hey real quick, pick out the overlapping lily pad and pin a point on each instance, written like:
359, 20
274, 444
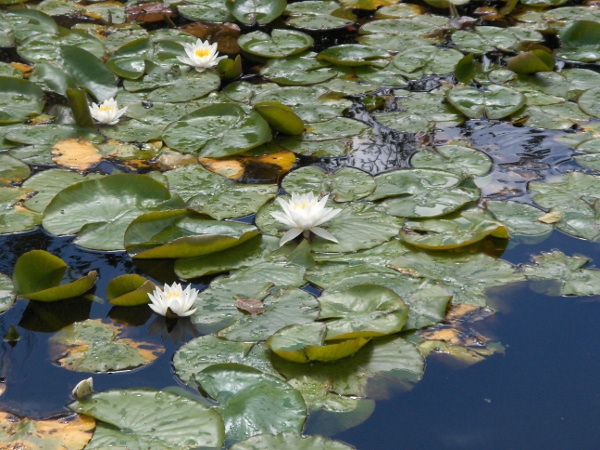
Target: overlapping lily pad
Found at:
142, 418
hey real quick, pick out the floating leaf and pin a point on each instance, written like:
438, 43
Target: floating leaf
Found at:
12, 170
466, 276
452, 231
250, 12
531, 62
520, 218
298, 70
289, 441
461, 160
205, 351
345, 185
390, 358
282, 118
567, 271
355, 55
129, 290
366, 310
37, 275
63, 432
93, 346
217, 130
101, 210
180, 234
78, 154
244, 394
13, 217
142, 418
279, 44
89, 72
19, 100
495, 103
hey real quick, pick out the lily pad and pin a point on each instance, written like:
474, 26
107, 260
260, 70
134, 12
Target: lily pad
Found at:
461, 160
244, 394
567, 271
66, 432
306, 343
12, 170
452, 231
279, 44
282, 118
466, 276
495, 103
181, 234
250, 12
93, 346
289, 441
129, 290
355, 55
390, 358
13, 217
222, 129
519, 218
143, 418
293, 306
37, 275
298, 70
19, 100
206, 351
345, 185
366, 310
100, 211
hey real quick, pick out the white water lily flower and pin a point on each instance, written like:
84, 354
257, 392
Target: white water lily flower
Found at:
304, 213
107, 112
201, 55
173, 300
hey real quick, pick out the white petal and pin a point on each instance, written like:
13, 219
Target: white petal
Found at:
324, 234
284, 219
289, 235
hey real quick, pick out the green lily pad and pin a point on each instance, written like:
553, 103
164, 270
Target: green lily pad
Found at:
129, 290
318, 15
100, 211
389, 75
581, 33
217, 196
312, 104
466, 276
12, 170
345, 185
355, 55
532, 62
452, 231
298, 70
37, 275
217, 130
244, 395
217, 306
43, 134
250, 12
417, 62
591, 154
13, 217
181, 234
567, 271
577, 197
519, 218
252, 251
7, 293
559, 116
19, 100
282, 118
89, 72
383, 364
461, 160
50, 182
588, 102
144, 418
293, 306
93, 346
306, 342
366, 310
206, 351
412, 181
495, 103
279, 44
289, 441
486, 39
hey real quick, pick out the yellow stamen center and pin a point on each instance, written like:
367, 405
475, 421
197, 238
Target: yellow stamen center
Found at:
104, 108
202, 52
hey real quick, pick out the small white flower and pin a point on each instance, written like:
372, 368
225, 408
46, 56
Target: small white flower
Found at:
173, 301
201, 55
304, 212
107, 112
